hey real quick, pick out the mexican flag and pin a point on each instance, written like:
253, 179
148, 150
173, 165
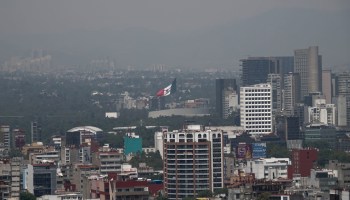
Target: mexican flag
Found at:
167, 90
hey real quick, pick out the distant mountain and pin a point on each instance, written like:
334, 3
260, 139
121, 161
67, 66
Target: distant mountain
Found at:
274, 33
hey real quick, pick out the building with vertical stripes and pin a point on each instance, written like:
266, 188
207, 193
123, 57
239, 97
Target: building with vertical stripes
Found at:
193, 161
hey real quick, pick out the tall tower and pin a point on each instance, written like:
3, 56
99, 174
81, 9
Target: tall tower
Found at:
327, 86
308, 64
224, 87
256, 109
5, 138
36, 131
275, 80
256, 69
291, 93
344, 94
193, 161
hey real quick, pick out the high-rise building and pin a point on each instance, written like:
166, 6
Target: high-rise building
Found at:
308, 63
5, 138
15, 177
275, 81
344, 92
291, 93
36, 132
327, 85
224, 88
256, 109
193, 161
256, 69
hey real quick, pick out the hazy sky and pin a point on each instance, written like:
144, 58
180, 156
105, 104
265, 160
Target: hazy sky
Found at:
168, 17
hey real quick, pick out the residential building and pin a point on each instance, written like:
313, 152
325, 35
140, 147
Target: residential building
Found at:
5, 179
5, 139
15, 176
17, 138
193, 161
108, 161
80, 172
256, 109
308, 63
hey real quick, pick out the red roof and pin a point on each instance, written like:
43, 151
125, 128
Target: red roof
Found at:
129, 184
154, 188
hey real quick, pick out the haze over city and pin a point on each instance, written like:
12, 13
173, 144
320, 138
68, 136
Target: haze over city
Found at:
196, 33
169, 100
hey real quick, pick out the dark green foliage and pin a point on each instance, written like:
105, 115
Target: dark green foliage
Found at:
264, 196
151, 159
221, 191
277, 150
326, 153
15, 153
205, 193
114, 140
26, 196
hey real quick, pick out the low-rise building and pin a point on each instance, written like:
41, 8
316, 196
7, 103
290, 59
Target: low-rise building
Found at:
269, 168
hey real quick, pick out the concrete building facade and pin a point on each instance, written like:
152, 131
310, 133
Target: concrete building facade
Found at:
256, 109
193, 161
308, 63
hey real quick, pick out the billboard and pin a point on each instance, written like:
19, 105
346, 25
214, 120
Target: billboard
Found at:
244, 151
259, 150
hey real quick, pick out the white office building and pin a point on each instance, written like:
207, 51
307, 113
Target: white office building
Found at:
256, 109
269, 168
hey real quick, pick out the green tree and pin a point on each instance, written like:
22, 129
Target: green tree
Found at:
205, 193
221, 191
277, 150
15, 153
264, 196
26, 196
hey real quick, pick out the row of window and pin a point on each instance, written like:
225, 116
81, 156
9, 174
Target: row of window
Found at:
258, 114
257, 118
257, 90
